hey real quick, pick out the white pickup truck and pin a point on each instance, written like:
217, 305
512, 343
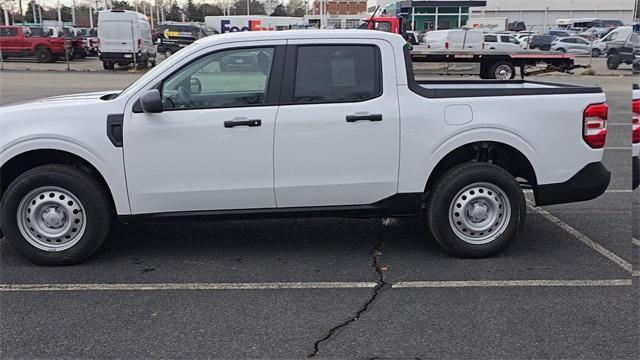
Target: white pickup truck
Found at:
296, 123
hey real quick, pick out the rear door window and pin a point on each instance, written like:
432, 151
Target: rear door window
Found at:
337, 73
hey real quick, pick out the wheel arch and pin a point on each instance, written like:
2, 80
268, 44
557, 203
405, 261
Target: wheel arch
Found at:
512, 156
14, 163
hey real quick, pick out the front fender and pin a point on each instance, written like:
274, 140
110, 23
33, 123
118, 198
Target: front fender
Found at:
111, 167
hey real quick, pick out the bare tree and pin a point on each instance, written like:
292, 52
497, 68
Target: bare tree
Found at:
270, 5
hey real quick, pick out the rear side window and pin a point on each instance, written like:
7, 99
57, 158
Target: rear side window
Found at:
490, 38
337, 73
8, 31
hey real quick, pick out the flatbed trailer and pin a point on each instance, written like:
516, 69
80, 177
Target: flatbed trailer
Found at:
492, 64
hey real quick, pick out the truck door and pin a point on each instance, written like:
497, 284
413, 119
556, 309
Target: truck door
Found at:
337, 130
212, 146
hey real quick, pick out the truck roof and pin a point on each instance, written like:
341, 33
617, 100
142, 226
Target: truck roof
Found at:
396, 40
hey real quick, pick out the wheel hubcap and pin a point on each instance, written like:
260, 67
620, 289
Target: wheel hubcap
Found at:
503, 72
51, 218
479, 213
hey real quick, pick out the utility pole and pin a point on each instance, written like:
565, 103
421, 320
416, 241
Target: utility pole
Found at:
59, 15
33, 9
73, 12
248, 6
91, 16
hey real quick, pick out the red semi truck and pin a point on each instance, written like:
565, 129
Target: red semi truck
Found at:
16, 41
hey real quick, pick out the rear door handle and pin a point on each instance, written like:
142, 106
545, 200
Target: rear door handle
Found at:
250, 123
369, 117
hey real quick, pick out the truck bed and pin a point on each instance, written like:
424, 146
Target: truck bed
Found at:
475, 88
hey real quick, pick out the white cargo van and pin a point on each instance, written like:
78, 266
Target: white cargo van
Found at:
456, 39
124, 37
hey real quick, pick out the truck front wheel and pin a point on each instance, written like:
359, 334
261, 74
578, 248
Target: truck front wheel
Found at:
44, 55
55, 214
502, 70
108, 65
475, 210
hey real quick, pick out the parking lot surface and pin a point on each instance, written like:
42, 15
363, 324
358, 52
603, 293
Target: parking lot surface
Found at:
335, 288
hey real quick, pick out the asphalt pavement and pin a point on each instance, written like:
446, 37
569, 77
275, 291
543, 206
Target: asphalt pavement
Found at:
335, 288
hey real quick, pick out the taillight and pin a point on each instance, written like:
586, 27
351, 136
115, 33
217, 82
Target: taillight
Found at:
635, 120
446, 45
139, 43
594, 130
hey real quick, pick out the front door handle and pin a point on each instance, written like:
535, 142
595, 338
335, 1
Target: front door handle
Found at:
250, 123
369, 117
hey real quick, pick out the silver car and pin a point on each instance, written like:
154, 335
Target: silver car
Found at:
572, 44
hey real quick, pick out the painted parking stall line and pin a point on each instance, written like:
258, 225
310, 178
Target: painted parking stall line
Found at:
308, 285
582, 238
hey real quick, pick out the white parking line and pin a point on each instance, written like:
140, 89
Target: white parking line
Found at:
583, 238
635, 241
510, 283
187, 286
307, 285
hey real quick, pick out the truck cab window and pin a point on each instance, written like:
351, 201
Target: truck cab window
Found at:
337, 73
229, 78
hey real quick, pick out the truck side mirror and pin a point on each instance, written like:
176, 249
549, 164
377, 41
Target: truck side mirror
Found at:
151, 101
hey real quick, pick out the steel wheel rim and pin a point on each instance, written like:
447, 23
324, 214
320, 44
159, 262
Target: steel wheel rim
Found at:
51, 218
479, 213
503, 72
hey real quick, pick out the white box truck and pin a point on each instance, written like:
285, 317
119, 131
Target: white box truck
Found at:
124, 38
225, 24
488, 25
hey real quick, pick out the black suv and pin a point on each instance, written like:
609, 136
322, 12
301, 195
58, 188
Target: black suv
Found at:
622, 51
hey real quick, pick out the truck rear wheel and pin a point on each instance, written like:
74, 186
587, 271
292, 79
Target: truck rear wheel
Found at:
108, 65
44, 55
613, 61
502, 70
55, 214
475, 210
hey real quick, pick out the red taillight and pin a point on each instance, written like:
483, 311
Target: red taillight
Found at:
446, 45
594, 130
635, 120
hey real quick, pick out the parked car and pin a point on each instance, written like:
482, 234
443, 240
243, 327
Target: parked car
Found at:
559, 33
541, 42
573, 45
456, 39
125, 38
339, 128
622, 51
16, 41
501, 42
90, 36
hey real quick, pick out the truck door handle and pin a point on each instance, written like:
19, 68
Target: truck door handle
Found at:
250, 123
371, 117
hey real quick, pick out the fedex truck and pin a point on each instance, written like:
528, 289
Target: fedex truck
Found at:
488, 25
225, 24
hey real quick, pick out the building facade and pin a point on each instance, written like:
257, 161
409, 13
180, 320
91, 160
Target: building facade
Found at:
541, 14
340, 7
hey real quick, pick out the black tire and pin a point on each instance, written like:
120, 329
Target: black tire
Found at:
595, 53
448, 186
90, 193
613, 61
497, 70
536, 47
562, 50
108, 65
44, 55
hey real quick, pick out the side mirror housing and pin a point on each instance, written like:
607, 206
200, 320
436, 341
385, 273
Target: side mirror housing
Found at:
151, 101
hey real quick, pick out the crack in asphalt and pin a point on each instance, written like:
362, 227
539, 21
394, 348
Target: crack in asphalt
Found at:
381, 286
